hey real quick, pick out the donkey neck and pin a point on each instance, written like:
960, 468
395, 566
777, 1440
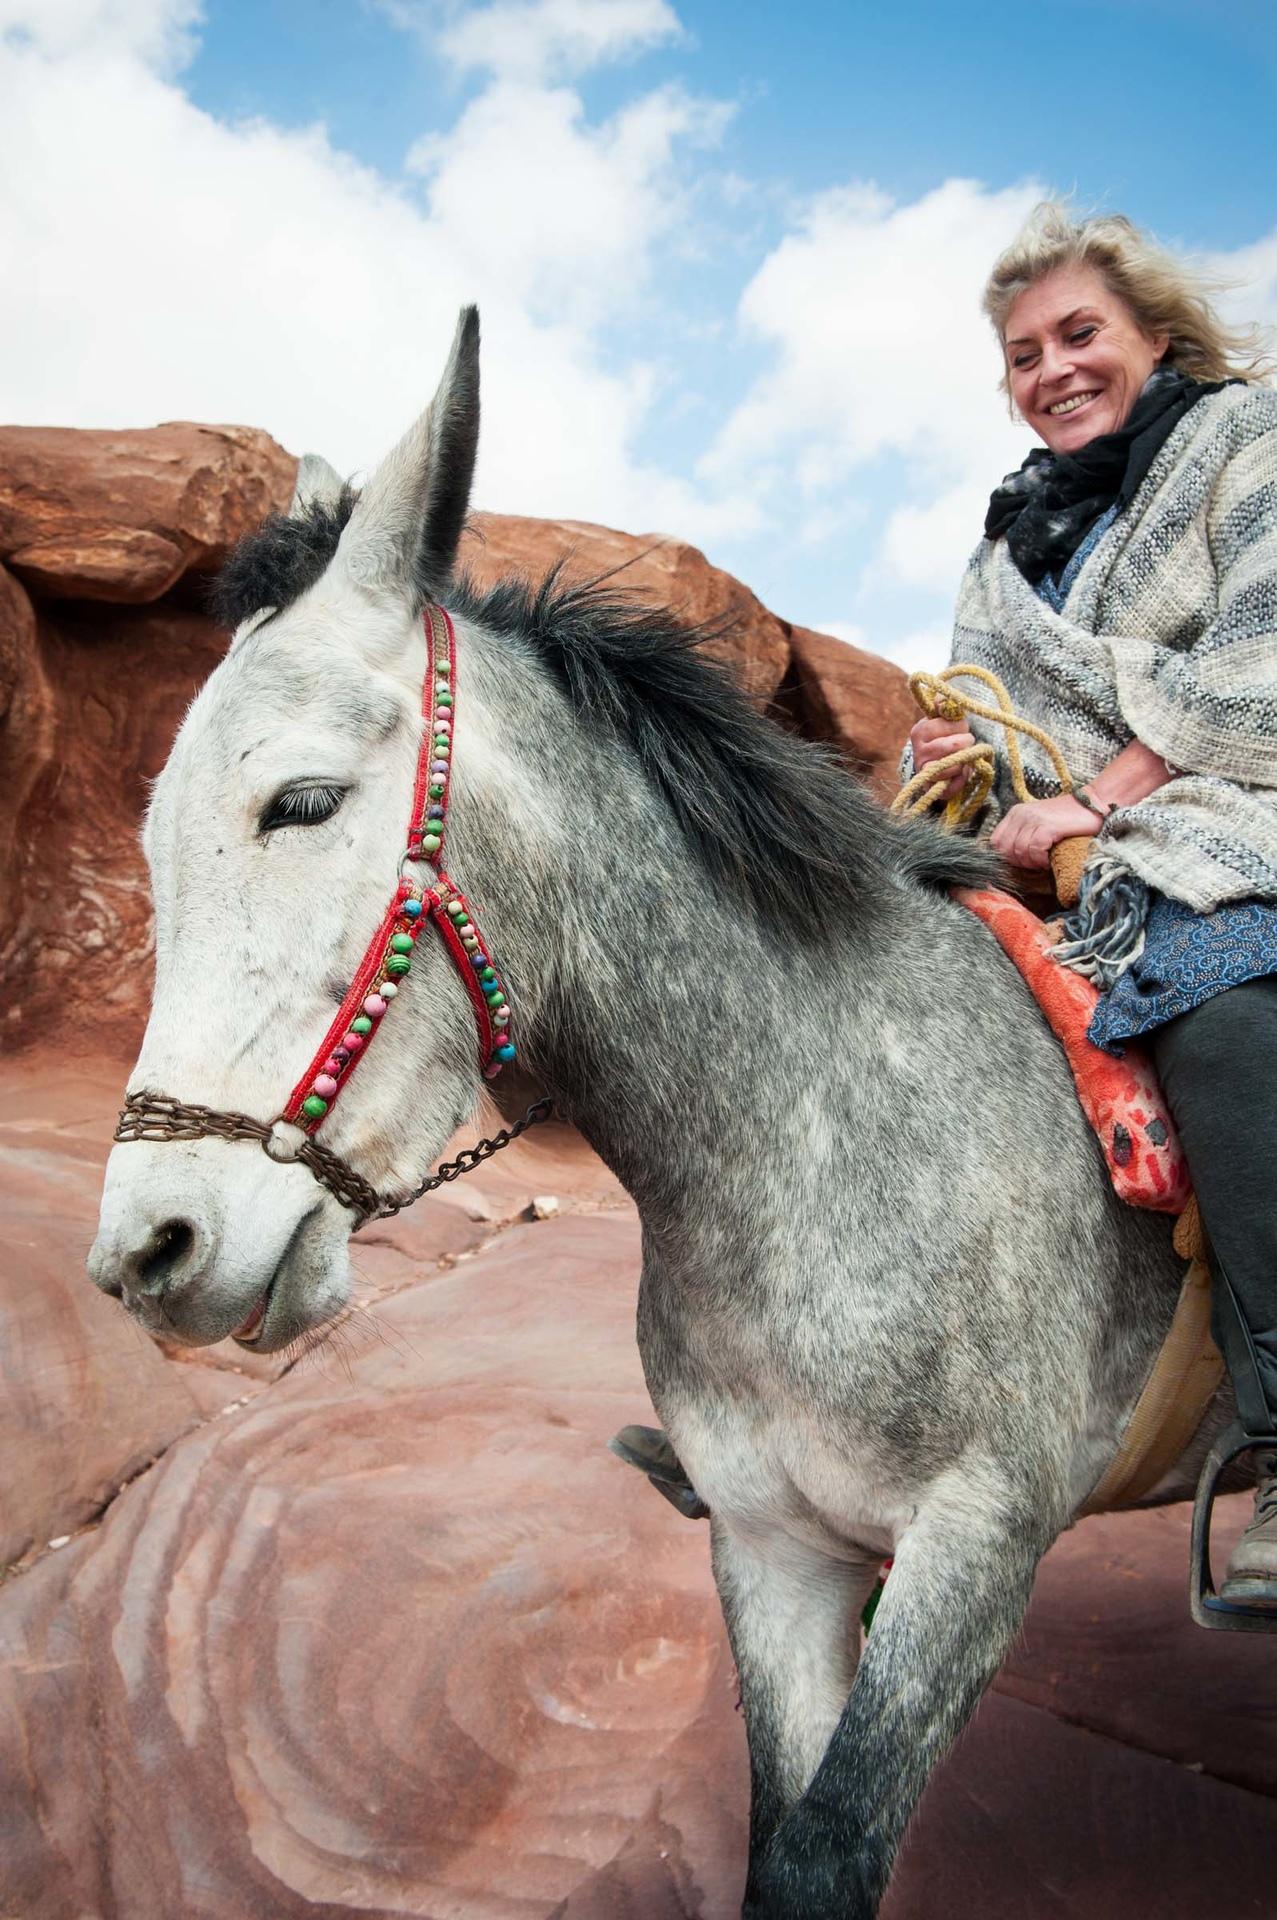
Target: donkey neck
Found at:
661, 1008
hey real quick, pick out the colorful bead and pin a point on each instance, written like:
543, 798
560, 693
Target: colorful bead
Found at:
466, 928
412, 908
455, 910
443, 665
362, 1025
352, 1041
505, 1053
324, 1085
431, 843
470, 942
399, 963
478, 959
489, 976
313, 1107
332, 1064
496, 999
375, 1005
341, 1055
436, 788
401, 943
387, 989
501, 1017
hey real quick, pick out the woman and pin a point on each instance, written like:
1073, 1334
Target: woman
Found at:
1126, 592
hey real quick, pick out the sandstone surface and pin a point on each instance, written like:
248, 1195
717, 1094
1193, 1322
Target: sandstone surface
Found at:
387, 1631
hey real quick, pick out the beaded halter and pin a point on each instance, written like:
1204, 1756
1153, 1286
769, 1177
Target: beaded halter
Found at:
386, 963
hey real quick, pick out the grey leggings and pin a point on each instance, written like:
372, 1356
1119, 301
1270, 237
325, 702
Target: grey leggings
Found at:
1218, 1066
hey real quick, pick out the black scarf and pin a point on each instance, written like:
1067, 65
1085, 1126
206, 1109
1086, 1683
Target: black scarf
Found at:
1047, 508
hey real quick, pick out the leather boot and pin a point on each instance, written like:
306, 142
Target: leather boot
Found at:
1251, 1578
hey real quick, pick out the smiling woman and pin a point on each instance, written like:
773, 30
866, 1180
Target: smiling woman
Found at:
1126, 592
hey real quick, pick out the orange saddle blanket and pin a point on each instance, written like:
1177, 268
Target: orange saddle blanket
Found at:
1121, 1098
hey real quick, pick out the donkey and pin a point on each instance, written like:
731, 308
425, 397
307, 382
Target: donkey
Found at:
873, 1318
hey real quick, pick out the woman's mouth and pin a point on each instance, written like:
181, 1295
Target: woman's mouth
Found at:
1061, 409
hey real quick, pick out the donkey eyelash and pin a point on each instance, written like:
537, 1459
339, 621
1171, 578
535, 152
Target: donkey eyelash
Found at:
301, 807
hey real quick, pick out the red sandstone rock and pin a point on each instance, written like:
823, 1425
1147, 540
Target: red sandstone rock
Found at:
852, 700
661, 570
397, 1634
92, 515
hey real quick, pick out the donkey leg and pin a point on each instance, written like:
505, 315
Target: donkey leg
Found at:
950, 1610
793, 1618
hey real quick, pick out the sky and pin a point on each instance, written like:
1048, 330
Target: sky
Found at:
728, 255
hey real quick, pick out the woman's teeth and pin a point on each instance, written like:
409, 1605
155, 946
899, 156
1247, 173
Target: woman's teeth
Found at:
1071, 405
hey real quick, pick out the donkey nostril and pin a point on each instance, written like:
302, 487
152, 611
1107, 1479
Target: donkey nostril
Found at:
168, 1247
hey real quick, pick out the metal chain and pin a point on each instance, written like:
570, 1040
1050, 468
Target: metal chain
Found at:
154, 1116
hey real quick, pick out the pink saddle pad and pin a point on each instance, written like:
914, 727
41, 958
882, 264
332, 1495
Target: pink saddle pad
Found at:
1121, 1098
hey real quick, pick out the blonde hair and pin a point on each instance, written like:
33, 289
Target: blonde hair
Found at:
1164, 294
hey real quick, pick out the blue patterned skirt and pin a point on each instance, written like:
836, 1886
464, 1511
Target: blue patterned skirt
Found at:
1188, 957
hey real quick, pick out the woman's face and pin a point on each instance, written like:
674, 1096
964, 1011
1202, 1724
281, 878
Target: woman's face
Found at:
1076, 357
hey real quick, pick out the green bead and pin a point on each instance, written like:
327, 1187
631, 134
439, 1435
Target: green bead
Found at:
495, 999
488, 976
431, 843
313, 1107
401, 943
443, 665
436, 789
443, 697
362, 1025
398, 963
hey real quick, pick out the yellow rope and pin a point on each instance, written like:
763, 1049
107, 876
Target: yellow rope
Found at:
937, 696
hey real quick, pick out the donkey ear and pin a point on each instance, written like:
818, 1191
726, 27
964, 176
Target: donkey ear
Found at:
318, 485
404, 531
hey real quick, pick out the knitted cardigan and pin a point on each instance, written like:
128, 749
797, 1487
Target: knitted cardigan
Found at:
1169, 636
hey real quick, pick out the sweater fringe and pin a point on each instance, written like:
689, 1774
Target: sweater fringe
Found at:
1105, 931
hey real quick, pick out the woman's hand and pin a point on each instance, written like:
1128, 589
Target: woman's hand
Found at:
1026, 833
932, 740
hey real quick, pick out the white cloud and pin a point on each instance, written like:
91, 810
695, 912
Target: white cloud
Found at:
872, 309
161, 32
172, 265
532, 38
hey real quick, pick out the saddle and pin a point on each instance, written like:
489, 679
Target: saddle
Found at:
1124, 1104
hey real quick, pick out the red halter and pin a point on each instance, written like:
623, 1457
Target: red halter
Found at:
388, 958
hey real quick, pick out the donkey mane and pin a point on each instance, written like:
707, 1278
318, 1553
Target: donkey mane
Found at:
772, 818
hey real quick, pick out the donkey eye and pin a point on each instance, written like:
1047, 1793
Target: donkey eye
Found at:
303, 806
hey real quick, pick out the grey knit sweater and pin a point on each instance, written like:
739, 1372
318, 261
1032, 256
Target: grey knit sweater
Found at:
1169, 636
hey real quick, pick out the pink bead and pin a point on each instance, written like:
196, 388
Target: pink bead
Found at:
325, 1086
352, 1041
375, 1005
501, 1017
332, 1064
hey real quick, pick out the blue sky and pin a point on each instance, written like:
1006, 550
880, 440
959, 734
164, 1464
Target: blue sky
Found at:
728, 257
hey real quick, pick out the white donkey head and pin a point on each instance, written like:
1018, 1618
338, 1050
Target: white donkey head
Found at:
273, 840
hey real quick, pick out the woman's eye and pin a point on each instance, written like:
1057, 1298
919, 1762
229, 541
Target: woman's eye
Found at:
1082, 334
1022, 360
301, 807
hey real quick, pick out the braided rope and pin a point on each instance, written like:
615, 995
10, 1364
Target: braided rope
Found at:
937, 696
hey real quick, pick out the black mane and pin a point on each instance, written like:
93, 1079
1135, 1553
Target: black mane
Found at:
773, 817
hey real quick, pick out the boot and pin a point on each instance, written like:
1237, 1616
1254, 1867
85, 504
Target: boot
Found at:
1251, 1577
648, 1449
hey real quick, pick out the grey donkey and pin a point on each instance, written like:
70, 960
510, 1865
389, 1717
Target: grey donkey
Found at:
869, 1324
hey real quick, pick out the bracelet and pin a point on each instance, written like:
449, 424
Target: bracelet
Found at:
1102, 808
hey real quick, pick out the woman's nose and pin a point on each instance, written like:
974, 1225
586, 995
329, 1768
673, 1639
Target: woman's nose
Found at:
1057, 363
